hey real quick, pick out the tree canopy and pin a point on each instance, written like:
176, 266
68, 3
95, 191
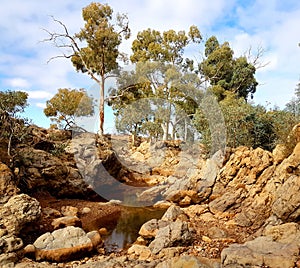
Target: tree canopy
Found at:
159, 75
67, 104
95, 48
13, 102
293, 106
226, 73
11, 126
152, 45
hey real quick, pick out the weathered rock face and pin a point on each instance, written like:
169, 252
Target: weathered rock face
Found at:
175, 233
190, 182
252, 188
42, 170
65, 244
8, 186
279, 247
17, 212
170, 231
189, 262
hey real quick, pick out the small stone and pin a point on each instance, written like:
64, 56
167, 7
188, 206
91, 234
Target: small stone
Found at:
103, 231
162, 204
69, 211
206, 239
85, 210
29, 249
95, 238
143, 252
140, 241
47, 211
66, 221
185, 201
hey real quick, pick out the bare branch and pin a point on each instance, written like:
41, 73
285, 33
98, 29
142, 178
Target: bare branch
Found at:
124, 90
255, 59
59, 56
59, 41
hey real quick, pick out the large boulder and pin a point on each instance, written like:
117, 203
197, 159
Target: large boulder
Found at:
287, 198
260, 251
17, 212
175, 233
189, 262
170, 231
65, 244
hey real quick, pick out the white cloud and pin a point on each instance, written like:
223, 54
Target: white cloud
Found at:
39, 94
17, 82
41, 105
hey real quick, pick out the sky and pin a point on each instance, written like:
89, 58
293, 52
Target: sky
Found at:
272, 25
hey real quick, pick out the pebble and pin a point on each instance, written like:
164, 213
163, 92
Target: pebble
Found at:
103, 231
206, 239
85, 210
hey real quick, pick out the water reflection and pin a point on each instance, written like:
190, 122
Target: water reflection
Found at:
128, 226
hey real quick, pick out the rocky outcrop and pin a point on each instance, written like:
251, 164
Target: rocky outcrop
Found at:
191, 182
171, 230
64, 244
19, 211
279, 247
40, 169
189, 262
8, 184
260, 251
252, 188
250, 198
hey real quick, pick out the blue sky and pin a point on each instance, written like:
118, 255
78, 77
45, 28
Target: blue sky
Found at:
272, 25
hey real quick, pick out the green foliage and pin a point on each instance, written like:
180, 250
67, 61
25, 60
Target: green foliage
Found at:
13, 102
12, 127
227, 73
293, 106
95, 48
102, 39
152, 45
67, 104
59, 148
283, 123
170, 93
161, 75
131, 117
246, 124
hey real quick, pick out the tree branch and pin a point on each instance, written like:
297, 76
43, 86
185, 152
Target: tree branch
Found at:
124, 90
255, 59
58, 40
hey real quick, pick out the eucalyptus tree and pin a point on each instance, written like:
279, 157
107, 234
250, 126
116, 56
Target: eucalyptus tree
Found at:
11, 126
159, 72
293, 106
226, 73
67, 104
95, 48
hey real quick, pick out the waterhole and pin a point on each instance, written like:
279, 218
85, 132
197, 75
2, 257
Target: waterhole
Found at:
128, 225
